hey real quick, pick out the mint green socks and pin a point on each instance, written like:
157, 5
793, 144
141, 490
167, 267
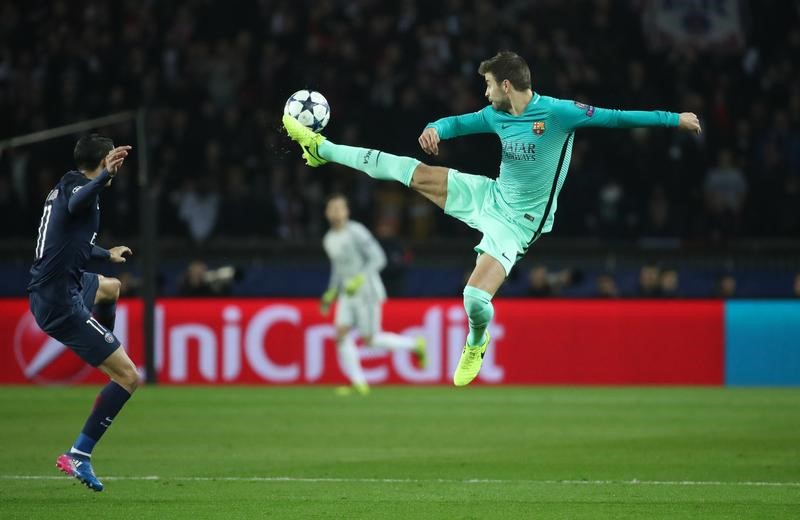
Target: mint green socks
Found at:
375, 163
478, 304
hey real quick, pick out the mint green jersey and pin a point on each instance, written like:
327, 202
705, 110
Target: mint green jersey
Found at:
537, 147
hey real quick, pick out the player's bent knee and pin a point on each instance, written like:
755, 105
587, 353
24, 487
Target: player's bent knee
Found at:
425, 175
119, 367
112, 288
116, 286
341, 332
431, 182
129, 378
108, 291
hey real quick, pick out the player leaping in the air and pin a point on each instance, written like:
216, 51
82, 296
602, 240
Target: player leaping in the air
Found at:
355, 283
536, 133
62, 294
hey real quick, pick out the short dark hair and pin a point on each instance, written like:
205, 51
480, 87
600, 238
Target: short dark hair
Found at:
90, 150
508, 65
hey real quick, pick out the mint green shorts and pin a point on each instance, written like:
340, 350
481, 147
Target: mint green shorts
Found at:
472, 199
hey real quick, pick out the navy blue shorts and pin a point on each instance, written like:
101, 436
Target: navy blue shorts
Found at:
73, 325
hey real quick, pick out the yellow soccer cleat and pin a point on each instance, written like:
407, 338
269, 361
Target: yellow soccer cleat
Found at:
470, 363
421, 351
353, 389
306, 138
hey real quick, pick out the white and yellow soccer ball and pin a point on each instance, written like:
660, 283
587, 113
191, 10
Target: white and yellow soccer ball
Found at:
310, 108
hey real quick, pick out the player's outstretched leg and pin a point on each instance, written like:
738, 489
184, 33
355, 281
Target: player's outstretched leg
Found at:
392, 341
317, 150
308, 140
351, 365
478, 304
77, 462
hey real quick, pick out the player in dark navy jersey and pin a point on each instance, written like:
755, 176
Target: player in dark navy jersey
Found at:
63, 296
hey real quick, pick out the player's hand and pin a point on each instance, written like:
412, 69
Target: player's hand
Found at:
688, 121
429, 141
326, 301
352, 285
117, 254
115, 158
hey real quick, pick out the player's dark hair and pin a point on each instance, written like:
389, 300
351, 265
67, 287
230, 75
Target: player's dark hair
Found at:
508, 65
90, 150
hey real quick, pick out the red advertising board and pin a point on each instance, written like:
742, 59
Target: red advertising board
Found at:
28, 355
267, 341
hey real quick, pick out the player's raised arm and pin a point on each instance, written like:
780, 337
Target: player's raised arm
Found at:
453, 126
573, 115
334, 282
83, 196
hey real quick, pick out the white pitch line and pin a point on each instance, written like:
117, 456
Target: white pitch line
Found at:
633, 482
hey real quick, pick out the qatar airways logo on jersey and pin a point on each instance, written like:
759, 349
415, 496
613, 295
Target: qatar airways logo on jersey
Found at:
195, 352
518, 150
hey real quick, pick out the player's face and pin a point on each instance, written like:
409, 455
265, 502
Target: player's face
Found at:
496, 94
337, 212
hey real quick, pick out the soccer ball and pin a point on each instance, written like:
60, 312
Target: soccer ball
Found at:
310, 108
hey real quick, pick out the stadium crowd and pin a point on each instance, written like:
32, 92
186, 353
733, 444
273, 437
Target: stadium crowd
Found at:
214, 78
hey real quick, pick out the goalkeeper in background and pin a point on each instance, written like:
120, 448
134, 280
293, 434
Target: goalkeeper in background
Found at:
355, 283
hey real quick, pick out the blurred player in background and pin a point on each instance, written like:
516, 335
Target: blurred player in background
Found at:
61, 293
355, 283
512, 212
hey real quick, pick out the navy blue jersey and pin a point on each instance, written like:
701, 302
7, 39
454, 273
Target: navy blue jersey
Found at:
67, 232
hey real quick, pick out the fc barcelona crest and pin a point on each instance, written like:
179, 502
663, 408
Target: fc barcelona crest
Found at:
538, 127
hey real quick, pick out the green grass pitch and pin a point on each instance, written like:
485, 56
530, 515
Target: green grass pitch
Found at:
410, 452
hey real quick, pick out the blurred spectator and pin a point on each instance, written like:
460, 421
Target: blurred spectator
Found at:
649, 281
197, 208
199, 280
607, 286
660, 220
129, 285
796, 288
398, 258
243, 213
725, 186
566, 278
9, 207
539, 282
543, 283
669, 283
726, 286
725, 191
214, 82
193, 282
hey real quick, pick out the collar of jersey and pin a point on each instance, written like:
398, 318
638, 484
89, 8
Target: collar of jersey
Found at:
533, 101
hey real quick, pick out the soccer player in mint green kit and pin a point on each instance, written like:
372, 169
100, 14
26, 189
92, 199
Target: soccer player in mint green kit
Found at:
536, 133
